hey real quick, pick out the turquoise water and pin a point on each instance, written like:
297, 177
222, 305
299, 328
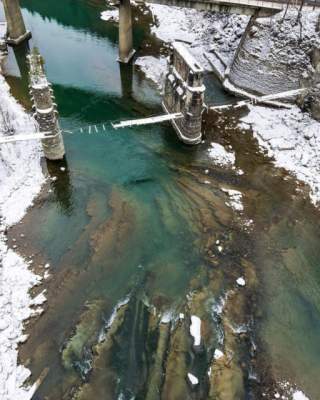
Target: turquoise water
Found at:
131, 220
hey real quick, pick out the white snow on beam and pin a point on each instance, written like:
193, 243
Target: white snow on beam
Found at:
147, 121
19, 138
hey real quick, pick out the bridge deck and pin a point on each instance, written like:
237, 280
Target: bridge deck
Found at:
247, 7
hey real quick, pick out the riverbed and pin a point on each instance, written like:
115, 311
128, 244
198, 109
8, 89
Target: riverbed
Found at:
140, 236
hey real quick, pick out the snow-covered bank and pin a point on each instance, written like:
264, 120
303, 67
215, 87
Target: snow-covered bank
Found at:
220, 155
21, 178
292, 138
201, 31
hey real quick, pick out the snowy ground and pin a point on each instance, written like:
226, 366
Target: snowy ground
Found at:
20, 181
292, 138
201, 31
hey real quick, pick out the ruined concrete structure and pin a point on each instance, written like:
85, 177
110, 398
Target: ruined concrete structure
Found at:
16, 27
184, 92
45, 109
126, 50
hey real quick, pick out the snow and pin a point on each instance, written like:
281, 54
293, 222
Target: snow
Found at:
199, 30
241, 282
273, 47
167, 317
110, 15
235, 201
20, 181
195, 330
220, 155
292, 138
193, 379
218, 354
154, 68
298, 395
20, 174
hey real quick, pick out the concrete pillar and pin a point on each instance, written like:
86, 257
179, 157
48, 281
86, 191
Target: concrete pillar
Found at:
45, 109
126, 50
126, 75
184, 93
16, 27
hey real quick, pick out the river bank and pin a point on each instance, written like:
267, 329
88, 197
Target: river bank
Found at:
21, 179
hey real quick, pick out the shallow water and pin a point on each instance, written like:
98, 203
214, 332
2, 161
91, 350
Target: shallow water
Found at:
131, 221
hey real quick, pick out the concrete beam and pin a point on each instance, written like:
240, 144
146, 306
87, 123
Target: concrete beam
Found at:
126, 50
16, 28
261, 8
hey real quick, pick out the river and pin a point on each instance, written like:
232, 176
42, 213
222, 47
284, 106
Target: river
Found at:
138, 243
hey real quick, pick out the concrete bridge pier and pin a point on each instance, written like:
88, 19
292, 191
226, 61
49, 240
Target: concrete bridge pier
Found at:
126, 50
184, 93
16, 27
46, 113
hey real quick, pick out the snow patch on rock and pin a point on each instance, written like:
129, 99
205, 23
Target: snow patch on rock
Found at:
220, 155
154, 68
235, 201
111, 15
298, 395
195, 330
193, 379
218, 354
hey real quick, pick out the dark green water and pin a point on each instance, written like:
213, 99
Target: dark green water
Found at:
131, 216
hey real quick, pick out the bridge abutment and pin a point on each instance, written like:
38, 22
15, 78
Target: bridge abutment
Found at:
126, 50
184, 93
46, 113
16, 26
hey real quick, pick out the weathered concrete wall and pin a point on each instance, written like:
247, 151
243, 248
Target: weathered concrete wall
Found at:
125, 32
274, 54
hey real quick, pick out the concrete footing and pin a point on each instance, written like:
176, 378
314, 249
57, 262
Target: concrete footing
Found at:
19, 40
17, 32
126, 51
